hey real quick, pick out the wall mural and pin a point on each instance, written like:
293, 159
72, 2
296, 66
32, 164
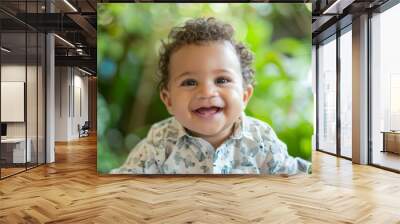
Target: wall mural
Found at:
204, 88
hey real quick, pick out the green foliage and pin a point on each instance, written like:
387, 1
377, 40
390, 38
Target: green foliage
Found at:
128, 42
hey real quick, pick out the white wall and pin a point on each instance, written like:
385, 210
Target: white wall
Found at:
61, 103
13, 100
12, 73
33, 126
71, 94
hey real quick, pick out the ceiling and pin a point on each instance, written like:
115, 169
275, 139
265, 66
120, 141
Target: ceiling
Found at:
74, 22
332, 15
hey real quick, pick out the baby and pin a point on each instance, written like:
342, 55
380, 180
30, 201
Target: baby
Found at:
206, 83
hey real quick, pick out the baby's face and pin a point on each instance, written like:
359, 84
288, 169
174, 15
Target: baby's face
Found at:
205, 91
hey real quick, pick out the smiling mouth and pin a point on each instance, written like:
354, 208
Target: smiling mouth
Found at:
208, 112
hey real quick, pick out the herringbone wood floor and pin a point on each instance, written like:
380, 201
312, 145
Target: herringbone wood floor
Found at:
70, 191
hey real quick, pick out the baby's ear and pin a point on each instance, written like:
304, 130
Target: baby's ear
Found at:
166, 98
247, 93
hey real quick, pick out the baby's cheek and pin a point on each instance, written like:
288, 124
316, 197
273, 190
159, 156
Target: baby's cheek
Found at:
237, 95
235, 102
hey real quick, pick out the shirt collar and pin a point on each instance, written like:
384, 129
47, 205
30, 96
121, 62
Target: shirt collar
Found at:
181, 130
239, 128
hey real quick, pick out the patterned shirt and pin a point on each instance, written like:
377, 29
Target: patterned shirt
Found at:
253, 148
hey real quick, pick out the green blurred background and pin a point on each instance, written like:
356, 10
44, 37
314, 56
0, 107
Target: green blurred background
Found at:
127, 49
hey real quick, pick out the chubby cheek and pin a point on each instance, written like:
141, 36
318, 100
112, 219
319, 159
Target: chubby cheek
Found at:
234, 101
180, 103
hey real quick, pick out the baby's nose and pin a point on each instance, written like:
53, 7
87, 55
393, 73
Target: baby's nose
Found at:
207, 91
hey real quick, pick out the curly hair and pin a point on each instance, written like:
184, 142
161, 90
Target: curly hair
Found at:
198, 31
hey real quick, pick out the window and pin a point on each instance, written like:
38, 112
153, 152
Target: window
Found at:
385, 89
346, 93
327, 96
22, 66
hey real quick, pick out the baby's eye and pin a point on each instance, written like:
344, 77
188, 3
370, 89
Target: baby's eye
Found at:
189, 82
222, 80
